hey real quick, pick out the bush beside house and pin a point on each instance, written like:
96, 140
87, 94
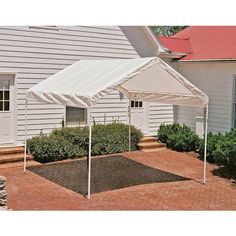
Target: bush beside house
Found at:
178, 137
221, 148
71, 142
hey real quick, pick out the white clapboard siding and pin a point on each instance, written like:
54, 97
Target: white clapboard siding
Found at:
158, 114
216, 80
186, 115
64, 34
74, 42
112, 107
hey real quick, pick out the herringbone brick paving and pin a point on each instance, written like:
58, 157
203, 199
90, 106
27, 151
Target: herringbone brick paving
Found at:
32, 192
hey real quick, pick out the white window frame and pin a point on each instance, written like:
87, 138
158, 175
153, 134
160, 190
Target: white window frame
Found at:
13, 106
134, 104
3, 100
76, 125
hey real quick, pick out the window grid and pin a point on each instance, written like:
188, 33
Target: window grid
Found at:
136, 104
4, 95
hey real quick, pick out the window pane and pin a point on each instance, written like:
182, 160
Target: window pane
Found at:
140, 104
136, 103
6, 84
6, 95
1, 105
75, 116
6, 106
1, 95
132, 103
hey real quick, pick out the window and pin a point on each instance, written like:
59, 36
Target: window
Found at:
136, 104
76, 116
4, 95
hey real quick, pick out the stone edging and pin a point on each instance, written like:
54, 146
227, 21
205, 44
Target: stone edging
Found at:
3, 193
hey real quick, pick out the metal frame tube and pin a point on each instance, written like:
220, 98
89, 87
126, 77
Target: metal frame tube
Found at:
205, 145
26, 129
129, 117
89, 154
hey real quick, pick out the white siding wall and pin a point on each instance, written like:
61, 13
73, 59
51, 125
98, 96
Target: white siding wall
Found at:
36, 53
112, 107
158, 114
216, 80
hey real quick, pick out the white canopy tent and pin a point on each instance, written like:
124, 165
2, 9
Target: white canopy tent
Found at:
147, 79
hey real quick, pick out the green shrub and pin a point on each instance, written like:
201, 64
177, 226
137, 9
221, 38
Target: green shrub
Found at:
225, 153
113, 138
178, 137
183, 142
50, 148
73, 142
212, 140
165, 130
76, 135
221, 149
231, 134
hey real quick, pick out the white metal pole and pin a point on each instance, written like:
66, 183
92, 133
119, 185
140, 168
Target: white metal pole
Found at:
205, 145
89, 154
129, 114
26, 124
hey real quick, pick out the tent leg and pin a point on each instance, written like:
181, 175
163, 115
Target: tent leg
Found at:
26, 128
205, 145
89, 156
129, 114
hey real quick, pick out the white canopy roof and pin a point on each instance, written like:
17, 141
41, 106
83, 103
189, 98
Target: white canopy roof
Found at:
147, 79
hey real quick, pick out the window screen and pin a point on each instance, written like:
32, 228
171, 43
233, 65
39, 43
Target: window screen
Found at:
76, 116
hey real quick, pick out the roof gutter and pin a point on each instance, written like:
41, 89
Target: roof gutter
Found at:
156, 41
175, 55
208, 60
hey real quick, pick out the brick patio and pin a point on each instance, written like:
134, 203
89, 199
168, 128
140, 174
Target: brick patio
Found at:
32, 192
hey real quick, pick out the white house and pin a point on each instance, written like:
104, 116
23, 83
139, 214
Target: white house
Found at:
206, 56
30, 54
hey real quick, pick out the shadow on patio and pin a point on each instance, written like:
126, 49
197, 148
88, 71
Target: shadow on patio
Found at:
108, 173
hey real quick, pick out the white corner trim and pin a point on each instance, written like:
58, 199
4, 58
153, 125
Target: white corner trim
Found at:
161, 48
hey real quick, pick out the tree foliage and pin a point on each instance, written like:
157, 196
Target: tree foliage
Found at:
167, 30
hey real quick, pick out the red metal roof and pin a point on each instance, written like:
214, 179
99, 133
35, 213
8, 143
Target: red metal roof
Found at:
176, 44
204, 42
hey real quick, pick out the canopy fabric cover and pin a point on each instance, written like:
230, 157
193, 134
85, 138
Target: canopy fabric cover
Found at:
148, 79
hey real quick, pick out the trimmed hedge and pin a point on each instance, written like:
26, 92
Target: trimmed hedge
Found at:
166, 130
212, 140
73, 142
51, 148
178, 137
106, 139
221, 148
